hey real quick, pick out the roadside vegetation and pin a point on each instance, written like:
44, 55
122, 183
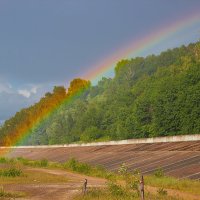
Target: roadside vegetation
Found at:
10, 195
124, 188
15, 171
71, 165
185, 185
120, 185
107, 194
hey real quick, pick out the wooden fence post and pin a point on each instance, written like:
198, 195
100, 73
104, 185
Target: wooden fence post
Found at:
141, 187
85, 187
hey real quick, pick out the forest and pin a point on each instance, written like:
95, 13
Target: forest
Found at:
151, 96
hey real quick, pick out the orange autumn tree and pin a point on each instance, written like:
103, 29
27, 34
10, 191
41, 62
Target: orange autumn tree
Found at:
17, 126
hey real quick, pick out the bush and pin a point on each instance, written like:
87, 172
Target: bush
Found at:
43, 163
98, 171
38, 163
23, 160
74, 165
159, 173
12, 172
123, 170
3, 160
116, 189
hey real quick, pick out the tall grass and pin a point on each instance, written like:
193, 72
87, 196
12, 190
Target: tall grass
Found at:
8, 195
3, 160
107, 194
186, 185
83, 168
36, 163
12, 172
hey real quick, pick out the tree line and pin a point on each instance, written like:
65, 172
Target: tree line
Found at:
157, 95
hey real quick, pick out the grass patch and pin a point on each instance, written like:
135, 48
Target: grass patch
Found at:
36, 163
106, 194
16, 171
72, 165
83, 168
159, 173
162, 191
3, 160
34, 177
186, 185
12, 172
13, 195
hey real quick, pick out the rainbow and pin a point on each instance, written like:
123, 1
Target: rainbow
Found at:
135, 48
132, 49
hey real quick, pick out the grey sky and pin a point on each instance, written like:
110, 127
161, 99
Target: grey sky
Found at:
49, 42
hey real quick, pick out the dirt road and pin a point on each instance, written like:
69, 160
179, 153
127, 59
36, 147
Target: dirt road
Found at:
63, 191
72, 187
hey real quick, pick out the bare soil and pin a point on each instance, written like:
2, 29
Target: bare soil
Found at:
54, 191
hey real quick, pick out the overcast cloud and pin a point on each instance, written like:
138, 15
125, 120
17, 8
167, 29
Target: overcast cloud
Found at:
47, 42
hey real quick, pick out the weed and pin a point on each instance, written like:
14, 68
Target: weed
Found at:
44, 163
12, 172
115, 189
159, 173
3, 160
83, 168
4, 194
123, 170
162, 191
23, 160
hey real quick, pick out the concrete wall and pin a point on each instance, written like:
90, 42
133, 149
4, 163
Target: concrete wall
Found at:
180, 138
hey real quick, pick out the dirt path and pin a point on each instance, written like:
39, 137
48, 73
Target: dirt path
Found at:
41, 191
66, 191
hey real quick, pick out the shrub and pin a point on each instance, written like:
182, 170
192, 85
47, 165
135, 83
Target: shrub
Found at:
38, 163
116, 189
87, 169
23, 160
74, 165
3, 160
43, 163
12, 172
123, 170
159, 173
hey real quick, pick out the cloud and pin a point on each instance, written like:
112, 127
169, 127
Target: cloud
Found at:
34, 90
14, 99
24, 93
28, 92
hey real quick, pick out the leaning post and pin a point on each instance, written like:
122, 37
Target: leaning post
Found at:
141, 187
85, 187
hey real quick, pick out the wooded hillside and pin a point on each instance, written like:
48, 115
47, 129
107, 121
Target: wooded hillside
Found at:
152, 96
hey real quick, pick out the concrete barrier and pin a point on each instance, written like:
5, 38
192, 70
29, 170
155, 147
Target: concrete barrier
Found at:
180, 138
